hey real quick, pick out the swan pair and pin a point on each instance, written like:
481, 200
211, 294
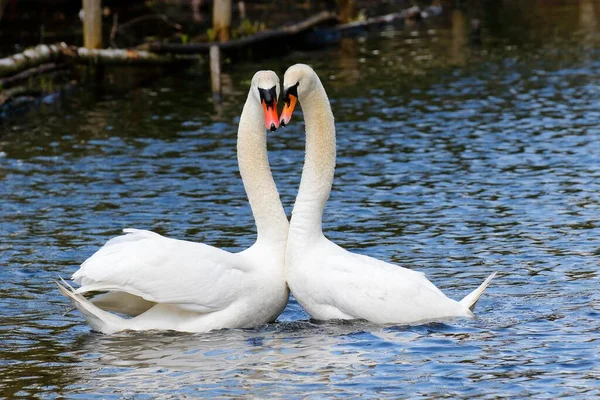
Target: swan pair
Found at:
171, 284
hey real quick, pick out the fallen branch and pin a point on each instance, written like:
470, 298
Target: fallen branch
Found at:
410, 13
30, 58
119, 56
269, 35
333, 34
61, 52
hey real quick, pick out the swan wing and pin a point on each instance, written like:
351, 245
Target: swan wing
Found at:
381, 292
194, 276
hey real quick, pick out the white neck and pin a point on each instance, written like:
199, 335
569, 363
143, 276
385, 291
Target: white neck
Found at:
269, 216
319, 164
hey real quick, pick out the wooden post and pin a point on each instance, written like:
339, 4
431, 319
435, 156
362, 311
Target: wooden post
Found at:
215, 72
242, 9
92, 24
346, 11
222, 19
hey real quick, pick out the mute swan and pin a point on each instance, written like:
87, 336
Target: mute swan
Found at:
328, 281
171, 284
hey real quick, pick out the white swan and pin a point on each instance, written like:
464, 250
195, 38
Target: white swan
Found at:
328, 281
171, 284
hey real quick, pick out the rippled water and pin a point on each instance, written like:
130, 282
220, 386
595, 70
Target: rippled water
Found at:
455, 159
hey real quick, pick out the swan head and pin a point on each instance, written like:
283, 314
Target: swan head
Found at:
265, 89
298, 79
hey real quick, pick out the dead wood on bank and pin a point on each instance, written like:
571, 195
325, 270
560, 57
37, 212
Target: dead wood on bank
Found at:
160, 53
263, 37
62, 53
316, 31
412, 13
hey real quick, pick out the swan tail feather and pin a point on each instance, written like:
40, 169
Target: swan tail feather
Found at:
471, 299
98, 319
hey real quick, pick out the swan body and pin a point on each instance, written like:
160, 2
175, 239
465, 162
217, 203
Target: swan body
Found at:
170, 284
327, 280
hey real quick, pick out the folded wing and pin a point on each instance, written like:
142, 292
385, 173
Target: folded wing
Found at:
383, 292
193, 276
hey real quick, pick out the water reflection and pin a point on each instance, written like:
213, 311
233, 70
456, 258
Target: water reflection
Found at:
459, 38
348, 62
587, 16
327, 358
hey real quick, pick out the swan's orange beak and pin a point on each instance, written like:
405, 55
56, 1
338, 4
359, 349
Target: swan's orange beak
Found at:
271, 118
290, 97
288, 110
268, 99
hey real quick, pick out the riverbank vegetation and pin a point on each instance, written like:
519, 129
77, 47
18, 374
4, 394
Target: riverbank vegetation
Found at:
148, 38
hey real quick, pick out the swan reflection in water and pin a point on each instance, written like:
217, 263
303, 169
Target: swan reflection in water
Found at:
285, 354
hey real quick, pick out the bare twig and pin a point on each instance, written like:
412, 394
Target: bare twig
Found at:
141, 18
114, 30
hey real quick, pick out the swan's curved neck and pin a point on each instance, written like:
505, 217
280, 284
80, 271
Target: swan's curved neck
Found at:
269, 216
319, 164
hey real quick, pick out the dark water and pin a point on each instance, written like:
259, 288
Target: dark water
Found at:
455, 159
